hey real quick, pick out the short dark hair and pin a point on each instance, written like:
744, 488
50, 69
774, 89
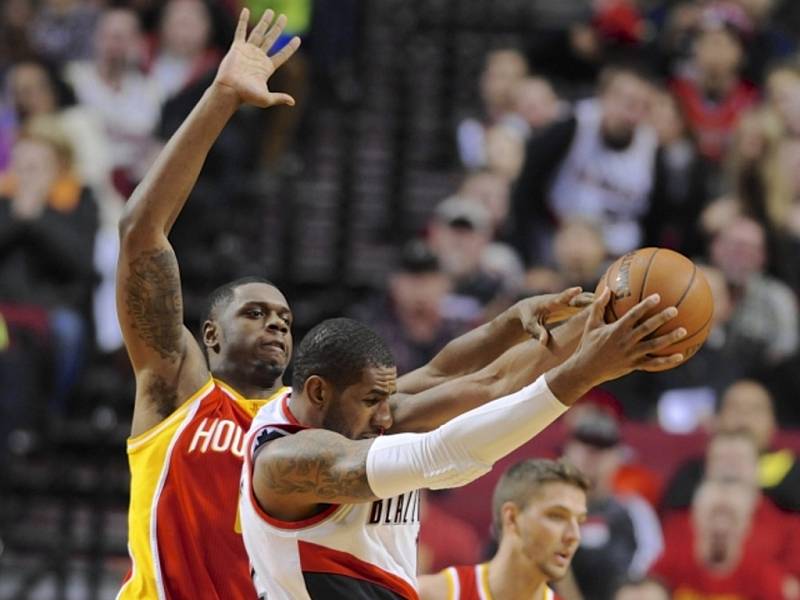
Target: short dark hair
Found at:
523, 480
631, 67
224, 293
338, 350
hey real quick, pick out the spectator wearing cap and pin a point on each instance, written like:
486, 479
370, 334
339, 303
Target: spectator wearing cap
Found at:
410, 314
621, 536
460, 235
711, 91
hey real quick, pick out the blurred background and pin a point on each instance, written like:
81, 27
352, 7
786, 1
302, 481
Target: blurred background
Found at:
445, 159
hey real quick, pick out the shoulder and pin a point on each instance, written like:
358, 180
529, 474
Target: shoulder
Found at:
440, 586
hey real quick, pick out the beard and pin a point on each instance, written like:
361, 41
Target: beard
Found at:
267, 373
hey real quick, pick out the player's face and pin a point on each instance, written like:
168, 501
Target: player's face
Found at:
256, 332
362, 410
549, 527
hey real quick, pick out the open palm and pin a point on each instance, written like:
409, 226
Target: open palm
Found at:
246, 68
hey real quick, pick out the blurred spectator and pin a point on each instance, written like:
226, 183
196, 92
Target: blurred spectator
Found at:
680, 189
535, 104
36, 90
492, 190
410, 316
764, 325
460, 236
579, 253
597, 164
502, 71
115, 88
711, 92
770, 39
621, 536
746, 407
15, 17
642, 589
183, 52
504, 146
713, 559
48, 222
62, 30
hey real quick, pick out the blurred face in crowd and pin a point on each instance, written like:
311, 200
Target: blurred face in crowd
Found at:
625, 101
598, 464
35, 160
503, 70
492, 191
789, 161
579, 252
118, 38
459, 247
717, 54
185, 27
721, 515
666, 119
732, 458
646, 590
417, 299
546, 531
505, 151
747, 406
31, 90
739, 250
783, 93
535, 101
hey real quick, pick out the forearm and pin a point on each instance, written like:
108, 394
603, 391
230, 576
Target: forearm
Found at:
464, 448
513, 370
159, 198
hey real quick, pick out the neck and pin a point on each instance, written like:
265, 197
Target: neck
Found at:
513, 577
301, 410
111, 72
246, 388
719, 85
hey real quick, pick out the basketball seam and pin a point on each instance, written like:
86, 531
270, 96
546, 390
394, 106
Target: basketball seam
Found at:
611, 300
646, 273
699, 329
688, 287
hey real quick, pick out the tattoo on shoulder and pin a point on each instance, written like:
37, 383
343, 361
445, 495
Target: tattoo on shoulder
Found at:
152, 299
327, 467
163, 394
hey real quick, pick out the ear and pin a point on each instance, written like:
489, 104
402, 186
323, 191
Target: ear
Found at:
211, 335
318, 392
509, 515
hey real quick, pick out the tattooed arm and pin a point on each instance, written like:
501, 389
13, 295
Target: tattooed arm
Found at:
293, 475
168, 363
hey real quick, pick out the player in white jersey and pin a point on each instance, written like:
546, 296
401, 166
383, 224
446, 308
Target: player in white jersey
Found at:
322, 488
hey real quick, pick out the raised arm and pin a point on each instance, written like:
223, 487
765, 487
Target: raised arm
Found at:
168, 362
479, 347
294, 475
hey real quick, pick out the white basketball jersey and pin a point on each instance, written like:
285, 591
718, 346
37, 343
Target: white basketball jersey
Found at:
347, 551
605, 185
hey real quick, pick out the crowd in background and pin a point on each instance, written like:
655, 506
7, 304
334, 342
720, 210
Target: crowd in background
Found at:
618, 124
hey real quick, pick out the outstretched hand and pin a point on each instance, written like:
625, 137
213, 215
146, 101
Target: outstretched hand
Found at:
536, 312
245, 70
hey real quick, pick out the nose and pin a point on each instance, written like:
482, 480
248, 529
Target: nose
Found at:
275, 323
383, 415
573, 532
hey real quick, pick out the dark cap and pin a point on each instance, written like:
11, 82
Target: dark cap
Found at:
596, 428
417, 257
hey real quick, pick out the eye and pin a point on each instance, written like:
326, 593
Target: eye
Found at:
371, 402
255, 313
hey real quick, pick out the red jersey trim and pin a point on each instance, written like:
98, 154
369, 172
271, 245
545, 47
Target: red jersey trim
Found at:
288, 412
321, 559
278, 523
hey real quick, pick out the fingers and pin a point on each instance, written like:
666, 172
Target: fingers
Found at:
637, 313
274, 33
653, 323
286, 52
567, 295
241, 26
257, 35
598, 309
582, 300
661, 342
278, 98
661, 363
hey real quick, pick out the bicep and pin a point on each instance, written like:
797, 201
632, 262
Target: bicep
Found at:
419, 380
166, 358
294, 474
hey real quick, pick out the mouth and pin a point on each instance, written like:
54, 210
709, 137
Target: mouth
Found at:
563, 558
273, 344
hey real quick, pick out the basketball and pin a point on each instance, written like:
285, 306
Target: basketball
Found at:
636, 275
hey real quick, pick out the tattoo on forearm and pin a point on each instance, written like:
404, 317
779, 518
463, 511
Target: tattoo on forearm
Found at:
163, 394
152, 298
319, 470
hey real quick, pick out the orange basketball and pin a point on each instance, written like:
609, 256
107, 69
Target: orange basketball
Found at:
636, 275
